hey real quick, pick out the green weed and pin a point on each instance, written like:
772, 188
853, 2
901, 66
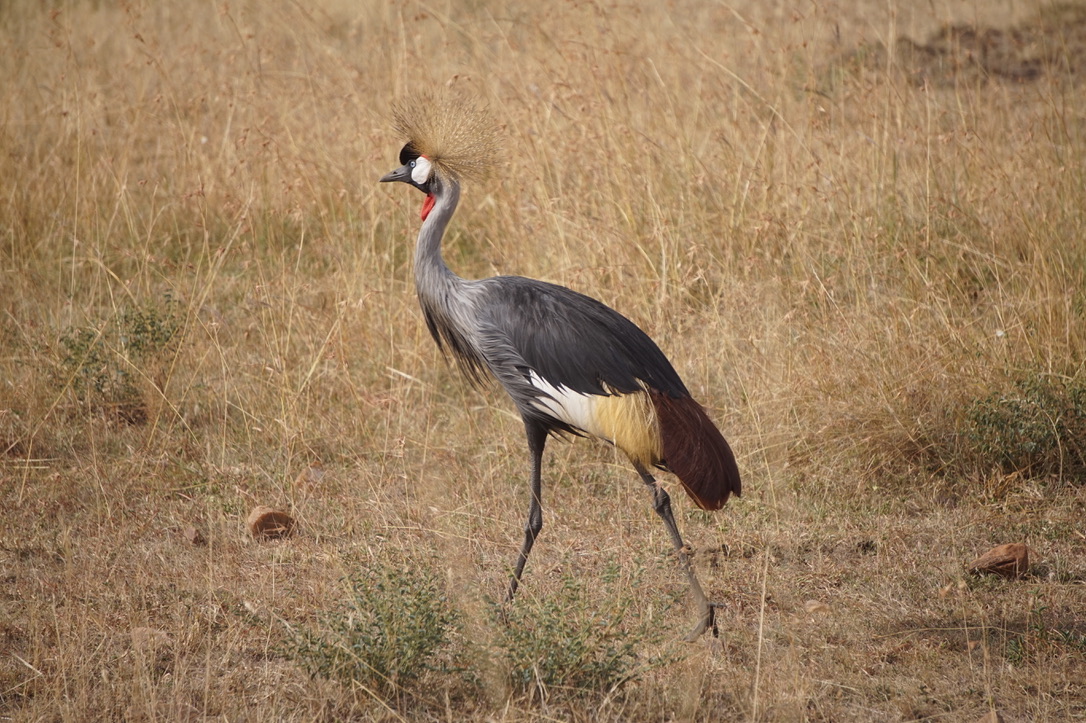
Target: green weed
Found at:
1038, 429
565, 640
396, 625
106, 366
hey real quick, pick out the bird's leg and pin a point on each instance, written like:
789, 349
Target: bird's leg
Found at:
537, 440
661, 502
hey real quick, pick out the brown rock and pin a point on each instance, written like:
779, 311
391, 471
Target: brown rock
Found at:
264, 523
1010, 561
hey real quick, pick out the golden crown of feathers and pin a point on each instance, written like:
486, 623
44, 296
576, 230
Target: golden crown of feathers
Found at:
456, 134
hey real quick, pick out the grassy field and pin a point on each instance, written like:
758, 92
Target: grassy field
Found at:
856, 228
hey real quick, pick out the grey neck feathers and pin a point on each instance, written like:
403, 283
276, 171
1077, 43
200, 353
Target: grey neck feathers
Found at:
446, 299
430, 268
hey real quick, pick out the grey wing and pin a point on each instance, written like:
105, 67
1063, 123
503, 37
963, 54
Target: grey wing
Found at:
569, 339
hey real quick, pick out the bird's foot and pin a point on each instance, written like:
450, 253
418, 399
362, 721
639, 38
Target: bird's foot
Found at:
706, 623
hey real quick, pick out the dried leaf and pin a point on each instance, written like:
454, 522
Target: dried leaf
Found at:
1010, 561
266, 523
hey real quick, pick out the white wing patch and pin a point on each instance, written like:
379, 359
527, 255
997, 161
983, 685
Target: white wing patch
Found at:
627, 420
573, 408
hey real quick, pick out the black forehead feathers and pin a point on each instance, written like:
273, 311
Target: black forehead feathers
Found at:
408, 154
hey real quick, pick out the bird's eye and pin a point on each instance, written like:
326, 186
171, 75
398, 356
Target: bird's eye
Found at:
412, 164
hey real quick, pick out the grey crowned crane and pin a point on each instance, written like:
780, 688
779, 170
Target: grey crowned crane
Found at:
570, 363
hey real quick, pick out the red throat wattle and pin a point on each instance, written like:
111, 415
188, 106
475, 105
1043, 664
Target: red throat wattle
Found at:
427, 206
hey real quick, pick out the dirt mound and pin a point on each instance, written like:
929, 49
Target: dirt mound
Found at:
1050, 44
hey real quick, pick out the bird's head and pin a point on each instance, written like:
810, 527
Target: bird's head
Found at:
418, 171
448, 139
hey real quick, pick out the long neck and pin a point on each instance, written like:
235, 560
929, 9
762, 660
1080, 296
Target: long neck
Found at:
430, 268
445, 298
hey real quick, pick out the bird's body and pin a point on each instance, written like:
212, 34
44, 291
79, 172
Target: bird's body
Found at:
569, 363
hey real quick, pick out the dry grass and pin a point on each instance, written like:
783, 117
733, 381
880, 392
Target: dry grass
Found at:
842, 240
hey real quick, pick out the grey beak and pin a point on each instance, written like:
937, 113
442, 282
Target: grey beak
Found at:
403, 173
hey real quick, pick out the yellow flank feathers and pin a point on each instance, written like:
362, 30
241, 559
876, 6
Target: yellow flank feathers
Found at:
457, 135
629, 420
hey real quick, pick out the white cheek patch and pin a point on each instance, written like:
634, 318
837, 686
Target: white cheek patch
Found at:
420, 174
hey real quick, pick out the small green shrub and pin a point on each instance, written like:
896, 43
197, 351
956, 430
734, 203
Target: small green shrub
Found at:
104, 366
397, 624
1038, 429
566, 639
1015, 650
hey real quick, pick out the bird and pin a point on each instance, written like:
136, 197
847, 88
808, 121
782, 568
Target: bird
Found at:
571, 364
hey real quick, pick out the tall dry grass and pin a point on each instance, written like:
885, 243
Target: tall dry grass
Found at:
839, 257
